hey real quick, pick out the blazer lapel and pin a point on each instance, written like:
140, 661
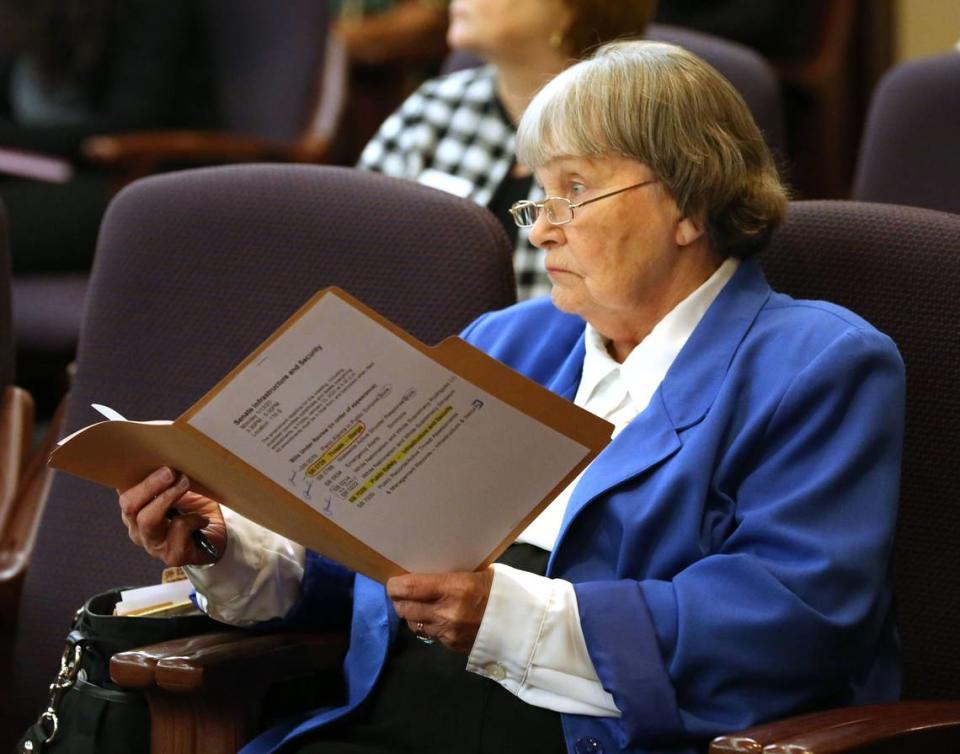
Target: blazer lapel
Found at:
683, 398
647, 440
566, 380
694, 379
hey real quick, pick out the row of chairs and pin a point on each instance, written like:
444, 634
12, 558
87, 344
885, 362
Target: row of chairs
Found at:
282, 83
906, 156
253, 48
194, 269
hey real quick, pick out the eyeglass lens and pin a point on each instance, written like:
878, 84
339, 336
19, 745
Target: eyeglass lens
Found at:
525, 214
558, 212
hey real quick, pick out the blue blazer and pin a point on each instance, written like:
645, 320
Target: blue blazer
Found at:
730, 549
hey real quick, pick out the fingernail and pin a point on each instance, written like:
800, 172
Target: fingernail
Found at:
183, 482
165, 475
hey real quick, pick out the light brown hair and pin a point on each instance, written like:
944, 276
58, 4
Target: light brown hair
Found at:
666, 108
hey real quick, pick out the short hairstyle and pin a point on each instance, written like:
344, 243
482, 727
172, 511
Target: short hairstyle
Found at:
596, 22
665, 107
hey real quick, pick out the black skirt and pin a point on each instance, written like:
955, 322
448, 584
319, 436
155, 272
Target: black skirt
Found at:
426, 702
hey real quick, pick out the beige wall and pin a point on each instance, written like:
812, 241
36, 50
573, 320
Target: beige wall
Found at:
926, 27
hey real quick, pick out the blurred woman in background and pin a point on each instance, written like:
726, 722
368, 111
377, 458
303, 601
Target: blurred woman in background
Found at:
457, 132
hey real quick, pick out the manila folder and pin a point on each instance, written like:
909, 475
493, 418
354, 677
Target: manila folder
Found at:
351, 437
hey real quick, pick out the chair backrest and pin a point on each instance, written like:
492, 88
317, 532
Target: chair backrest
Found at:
267, 59
193, 270
747, 70
899, 268
910, 152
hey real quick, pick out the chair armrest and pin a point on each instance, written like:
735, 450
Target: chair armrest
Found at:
136, 154
920, 726
224, 659
205, 693
16, 436
19, 530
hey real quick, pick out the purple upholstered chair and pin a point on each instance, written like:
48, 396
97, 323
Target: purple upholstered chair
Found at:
910, 153
268, 64
898, 267
263, 91
747, 70
193, 270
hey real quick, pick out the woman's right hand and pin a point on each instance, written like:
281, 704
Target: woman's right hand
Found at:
144, 509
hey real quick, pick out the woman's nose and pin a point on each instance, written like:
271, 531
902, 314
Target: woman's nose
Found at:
544, 233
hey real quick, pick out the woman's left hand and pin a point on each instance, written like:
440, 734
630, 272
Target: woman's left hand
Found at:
447, 607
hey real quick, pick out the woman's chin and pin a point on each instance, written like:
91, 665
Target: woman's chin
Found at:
459, 38
563, 299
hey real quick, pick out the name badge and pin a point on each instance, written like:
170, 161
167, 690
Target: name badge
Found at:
445, 182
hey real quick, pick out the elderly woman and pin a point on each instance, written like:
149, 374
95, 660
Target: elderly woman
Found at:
724, 561
457, 133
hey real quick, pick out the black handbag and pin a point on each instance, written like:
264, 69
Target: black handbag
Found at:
87, 713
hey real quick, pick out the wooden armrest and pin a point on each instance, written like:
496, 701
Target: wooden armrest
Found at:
16, 436
19, 530
205, 693
849, 729
134, 155
219, 660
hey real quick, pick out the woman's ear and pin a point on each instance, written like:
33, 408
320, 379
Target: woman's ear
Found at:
689, 229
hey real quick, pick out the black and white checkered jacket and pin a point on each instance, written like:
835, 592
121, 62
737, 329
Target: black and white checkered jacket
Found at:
452, 134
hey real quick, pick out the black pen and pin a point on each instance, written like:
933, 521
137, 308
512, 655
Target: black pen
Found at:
199, 538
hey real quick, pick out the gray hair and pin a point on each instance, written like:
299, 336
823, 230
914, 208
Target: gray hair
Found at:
666, 108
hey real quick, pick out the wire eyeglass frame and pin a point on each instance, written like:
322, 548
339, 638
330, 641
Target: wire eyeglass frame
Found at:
522, 211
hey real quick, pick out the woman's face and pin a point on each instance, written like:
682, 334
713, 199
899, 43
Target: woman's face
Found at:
493, 28
624, 261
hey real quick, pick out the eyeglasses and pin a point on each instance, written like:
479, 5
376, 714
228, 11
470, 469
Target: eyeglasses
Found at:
559, 210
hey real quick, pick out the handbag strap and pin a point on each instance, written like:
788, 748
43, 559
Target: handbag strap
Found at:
49, 722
